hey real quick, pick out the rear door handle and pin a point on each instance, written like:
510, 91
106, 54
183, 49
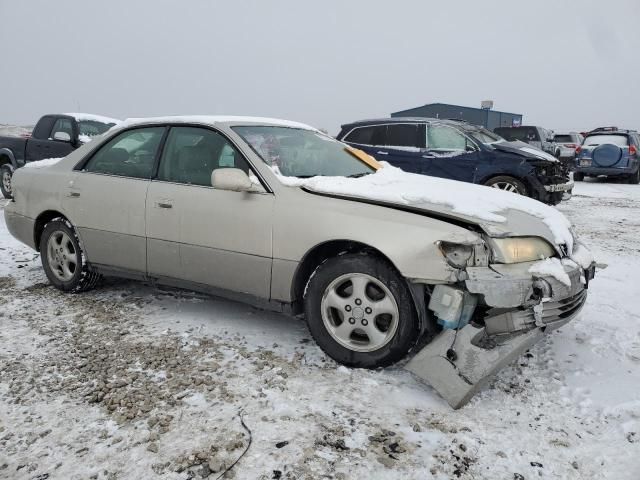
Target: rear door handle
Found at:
164, 205
382, 153
73, 194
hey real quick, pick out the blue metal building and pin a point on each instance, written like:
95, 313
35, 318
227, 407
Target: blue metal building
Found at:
490, 119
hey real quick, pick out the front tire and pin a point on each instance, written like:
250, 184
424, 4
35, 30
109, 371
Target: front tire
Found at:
360, 312
507, 183
578, 177
63, 260
6, 173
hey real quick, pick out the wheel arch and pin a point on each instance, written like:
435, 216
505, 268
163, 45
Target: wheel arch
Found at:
520, 178
42, 219
7, 157
333, 248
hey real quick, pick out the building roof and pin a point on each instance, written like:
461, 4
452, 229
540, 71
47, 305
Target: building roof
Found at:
455, 106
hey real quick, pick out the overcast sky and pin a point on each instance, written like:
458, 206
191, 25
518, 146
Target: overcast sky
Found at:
563, 64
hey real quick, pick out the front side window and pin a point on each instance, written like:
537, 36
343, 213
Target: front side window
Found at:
445, 139
62, 125
130, 154
296, 152
191, 154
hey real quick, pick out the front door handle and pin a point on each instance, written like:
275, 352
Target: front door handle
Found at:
382, 153
74, 194
163, 205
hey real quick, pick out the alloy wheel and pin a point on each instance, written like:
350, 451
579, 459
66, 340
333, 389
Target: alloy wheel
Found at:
61, 255
6, 180
359, 312
507, 186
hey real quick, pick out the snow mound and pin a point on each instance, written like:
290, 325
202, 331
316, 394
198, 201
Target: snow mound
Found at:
47, 162
89, 117
391, 184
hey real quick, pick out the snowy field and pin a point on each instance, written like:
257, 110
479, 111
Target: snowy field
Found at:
135, 382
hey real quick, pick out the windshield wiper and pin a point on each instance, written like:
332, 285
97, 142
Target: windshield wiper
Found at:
358, 175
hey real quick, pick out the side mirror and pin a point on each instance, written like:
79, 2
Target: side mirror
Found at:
62, 137
232, 179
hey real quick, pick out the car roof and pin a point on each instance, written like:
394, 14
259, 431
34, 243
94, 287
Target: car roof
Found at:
213, 120
377, 121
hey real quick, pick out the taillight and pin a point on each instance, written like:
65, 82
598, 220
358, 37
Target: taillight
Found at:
632, 150
578, 149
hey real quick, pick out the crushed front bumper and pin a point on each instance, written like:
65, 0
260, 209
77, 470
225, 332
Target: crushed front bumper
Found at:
522, 308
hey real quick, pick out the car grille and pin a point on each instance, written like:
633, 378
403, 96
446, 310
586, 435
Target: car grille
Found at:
565, 308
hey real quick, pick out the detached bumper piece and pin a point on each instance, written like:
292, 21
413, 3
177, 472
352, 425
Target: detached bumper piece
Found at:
523, 308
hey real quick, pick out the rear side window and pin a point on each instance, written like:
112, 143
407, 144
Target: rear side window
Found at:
373, 135
191, 154
405, 135
593, 140
130, 154
563, 139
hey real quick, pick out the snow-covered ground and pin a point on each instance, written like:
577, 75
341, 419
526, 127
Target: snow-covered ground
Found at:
131, 381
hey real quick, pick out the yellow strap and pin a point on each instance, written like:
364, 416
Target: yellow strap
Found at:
364, 157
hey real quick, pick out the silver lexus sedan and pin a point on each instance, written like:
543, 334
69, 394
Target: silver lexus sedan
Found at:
282, 216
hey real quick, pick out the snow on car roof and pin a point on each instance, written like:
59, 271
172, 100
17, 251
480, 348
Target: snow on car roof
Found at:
93, 118
214, 119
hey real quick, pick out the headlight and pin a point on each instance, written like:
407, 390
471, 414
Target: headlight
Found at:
521, 249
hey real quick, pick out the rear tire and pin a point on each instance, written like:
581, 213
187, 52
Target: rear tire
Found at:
508, 184
578, 177
63, 260
6, 173
634, 179
360, 312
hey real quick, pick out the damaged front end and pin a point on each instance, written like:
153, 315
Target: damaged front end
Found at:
492, 315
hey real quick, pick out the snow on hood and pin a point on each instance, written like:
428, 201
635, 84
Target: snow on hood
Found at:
47, 162
497, 211
212, 120
89, 117
523, 148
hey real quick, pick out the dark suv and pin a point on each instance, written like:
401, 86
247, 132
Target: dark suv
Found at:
611, 152
460, 151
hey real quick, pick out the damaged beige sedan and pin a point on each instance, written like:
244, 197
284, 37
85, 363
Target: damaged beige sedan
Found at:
279, 215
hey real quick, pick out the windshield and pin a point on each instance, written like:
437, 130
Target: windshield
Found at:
483, 135
295, 152
524, 134
619, 140
91, 128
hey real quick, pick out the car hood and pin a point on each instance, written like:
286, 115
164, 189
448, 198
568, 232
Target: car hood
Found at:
496, 212
524, 150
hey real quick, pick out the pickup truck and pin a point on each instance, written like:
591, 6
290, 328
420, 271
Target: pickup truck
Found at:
53, 136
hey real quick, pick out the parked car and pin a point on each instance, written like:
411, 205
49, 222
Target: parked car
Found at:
460, 151
567, 143
284, 217
609, 151
538, 137
53, 136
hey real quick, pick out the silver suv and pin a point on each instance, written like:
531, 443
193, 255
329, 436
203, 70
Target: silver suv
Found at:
538, 137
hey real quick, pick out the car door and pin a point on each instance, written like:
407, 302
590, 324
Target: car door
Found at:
450, 153
106, 198
199, 234
404, 145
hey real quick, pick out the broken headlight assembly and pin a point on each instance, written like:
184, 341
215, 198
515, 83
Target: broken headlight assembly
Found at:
459, 255
521, 249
